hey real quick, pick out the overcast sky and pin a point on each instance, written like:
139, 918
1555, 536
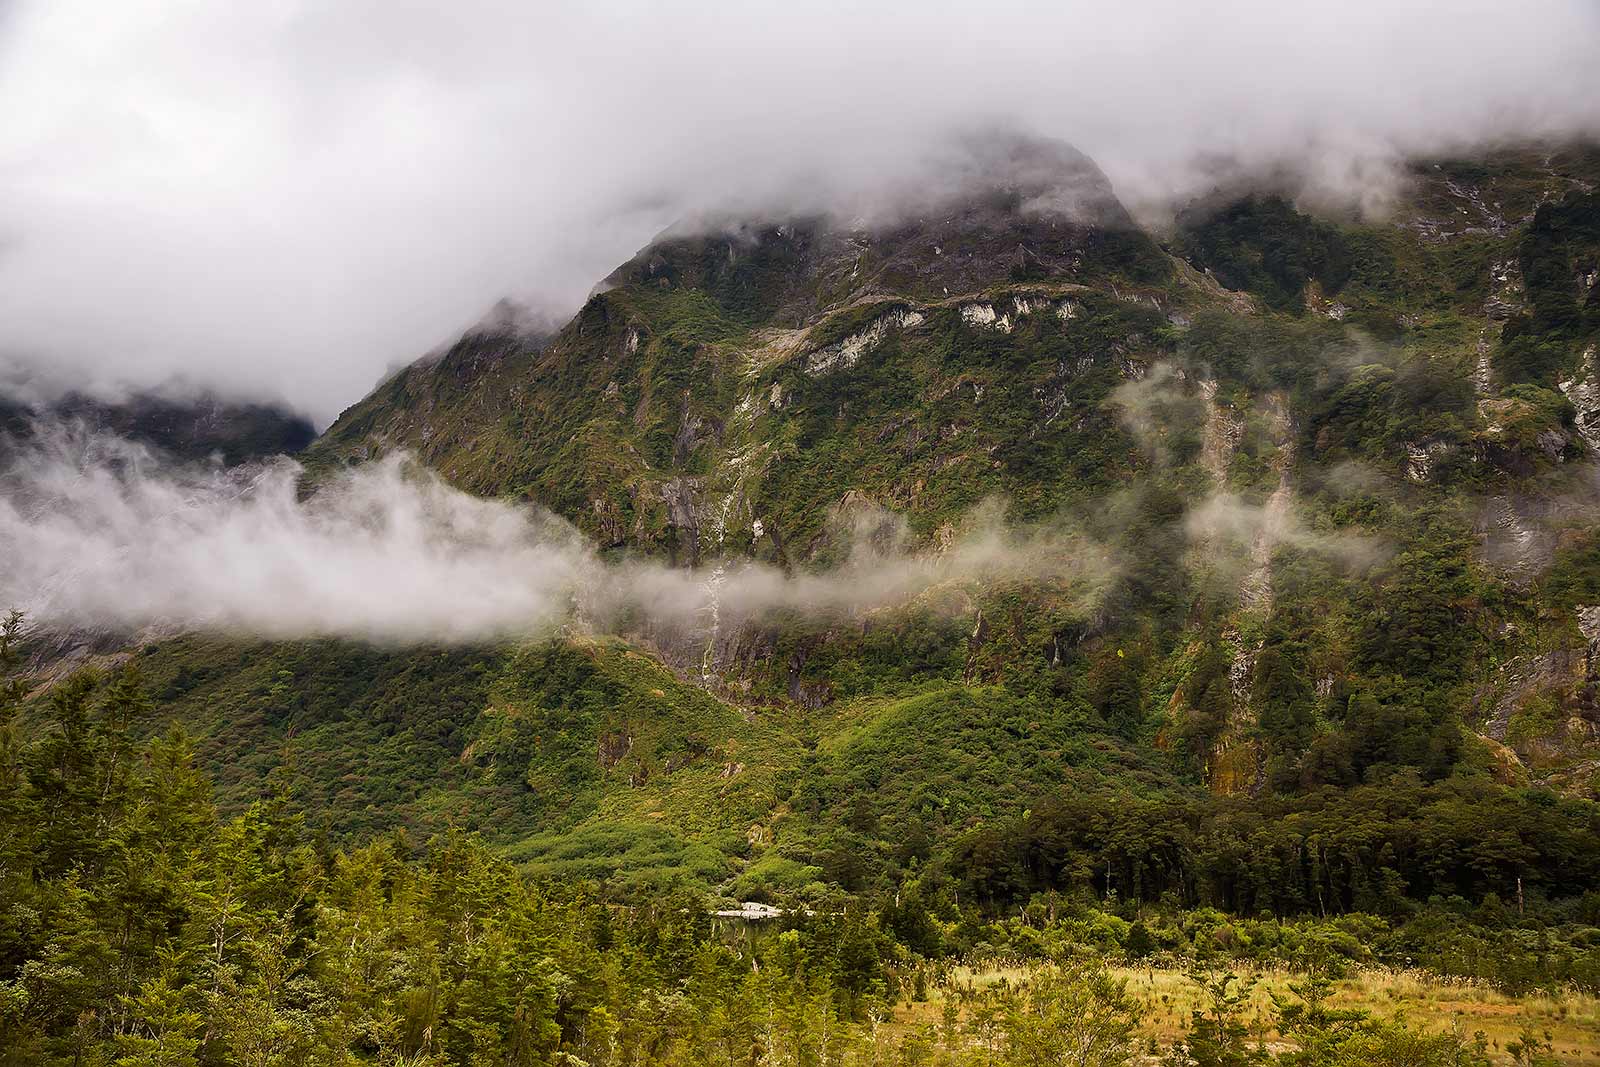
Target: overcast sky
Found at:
285, 198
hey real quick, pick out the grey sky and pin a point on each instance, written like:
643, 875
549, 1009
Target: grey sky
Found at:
285, 198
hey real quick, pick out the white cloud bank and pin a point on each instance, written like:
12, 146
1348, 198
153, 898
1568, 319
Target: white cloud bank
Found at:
285, 198
99, 533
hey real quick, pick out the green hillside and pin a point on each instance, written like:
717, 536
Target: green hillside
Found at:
1329, 524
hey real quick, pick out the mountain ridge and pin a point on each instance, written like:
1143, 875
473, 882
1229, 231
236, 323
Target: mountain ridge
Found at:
195, 426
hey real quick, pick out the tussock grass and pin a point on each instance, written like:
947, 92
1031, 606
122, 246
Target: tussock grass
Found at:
1427, 1001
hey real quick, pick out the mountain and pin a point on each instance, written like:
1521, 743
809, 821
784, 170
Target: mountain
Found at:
702, 387
1325, 482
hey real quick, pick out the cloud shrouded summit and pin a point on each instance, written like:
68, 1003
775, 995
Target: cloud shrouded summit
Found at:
284, 199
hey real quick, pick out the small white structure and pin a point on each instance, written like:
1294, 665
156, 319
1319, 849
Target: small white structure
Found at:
751, 911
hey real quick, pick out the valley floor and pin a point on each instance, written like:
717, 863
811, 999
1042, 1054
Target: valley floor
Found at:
1427, 1002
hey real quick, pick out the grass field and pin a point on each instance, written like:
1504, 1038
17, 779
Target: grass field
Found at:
1571, 1020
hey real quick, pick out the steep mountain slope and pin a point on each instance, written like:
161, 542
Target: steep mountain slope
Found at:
1326, 484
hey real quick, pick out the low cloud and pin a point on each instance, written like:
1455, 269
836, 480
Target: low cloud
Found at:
1155, 406
99, 533
1228, 525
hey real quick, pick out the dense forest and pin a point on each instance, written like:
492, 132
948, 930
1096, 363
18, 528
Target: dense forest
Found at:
141, 928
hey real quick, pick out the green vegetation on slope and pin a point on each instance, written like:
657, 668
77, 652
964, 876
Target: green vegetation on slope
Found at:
1392, 620
138, 928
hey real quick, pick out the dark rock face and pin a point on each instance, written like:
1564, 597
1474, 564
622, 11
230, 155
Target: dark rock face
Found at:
1019, 210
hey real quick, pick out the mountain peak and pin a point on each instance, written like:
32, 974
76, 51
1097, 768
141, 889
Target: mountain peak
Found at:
995, 207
